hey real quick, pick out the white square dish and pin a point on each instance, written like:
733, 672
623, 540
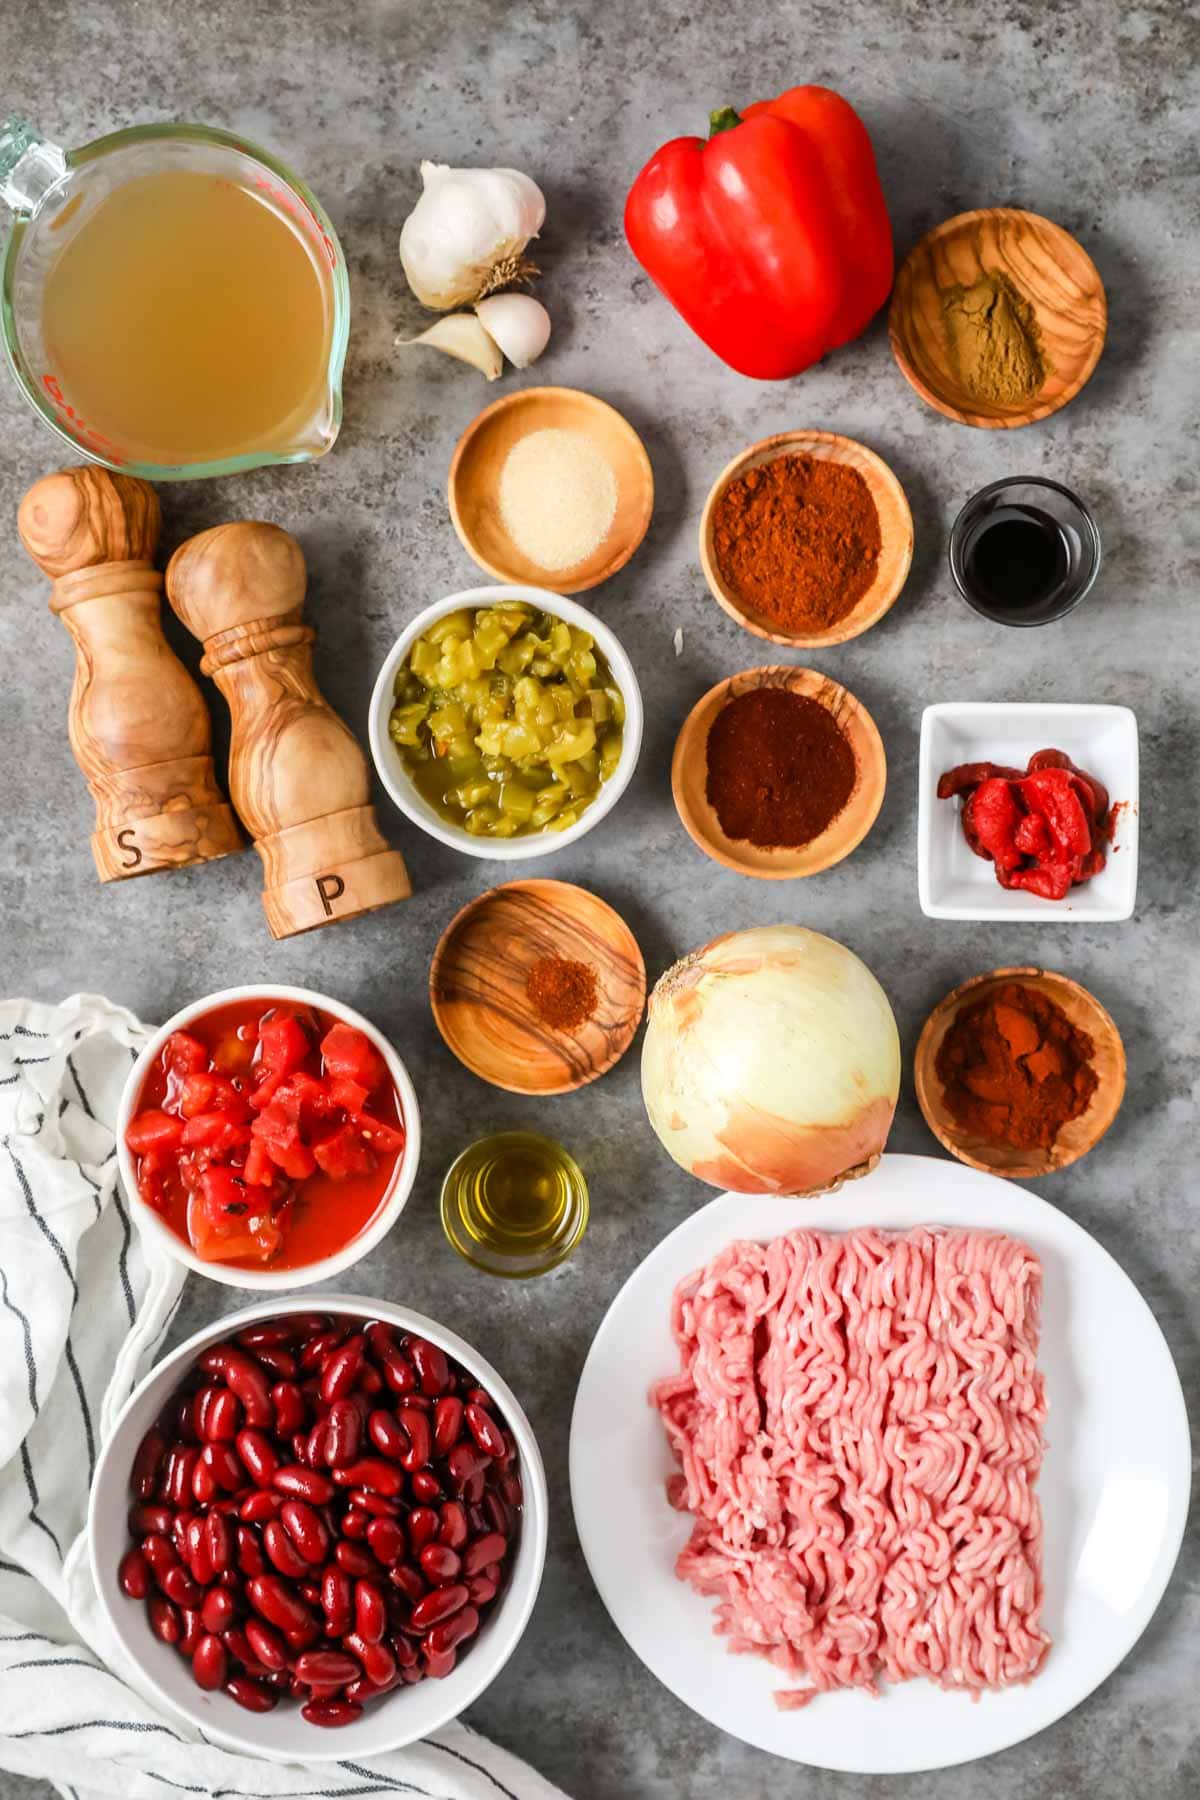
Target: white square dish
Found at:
952, 881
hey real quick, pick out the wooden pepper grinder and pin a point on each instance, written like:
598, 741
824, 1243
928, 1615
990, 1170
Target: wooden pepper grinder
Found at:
138, 726
296, 774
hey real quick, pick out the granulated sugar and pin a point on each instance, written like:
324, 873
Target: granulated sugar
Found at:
558, 497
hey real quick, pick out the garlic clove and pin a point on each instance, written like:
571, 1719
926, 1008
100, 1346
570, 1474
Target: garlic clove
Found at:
519, 323
461, 335
466, 235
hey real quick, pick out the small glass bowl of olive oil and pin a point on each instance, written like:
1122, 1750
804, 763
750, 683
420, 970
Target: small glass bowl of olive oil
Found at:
515, 1204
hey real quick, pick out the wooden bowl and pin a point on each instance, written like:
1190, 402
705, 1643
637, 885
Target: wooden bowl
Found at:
1054, 273
477, 986
689, 778
1076, 1138
895, 529
475, 485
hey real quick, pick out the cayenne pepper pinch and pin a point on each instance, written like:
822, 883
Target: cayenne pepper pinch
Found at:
561, 992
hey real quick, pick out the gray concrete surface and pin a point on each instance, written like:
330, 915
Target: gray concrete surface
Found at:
1085, 113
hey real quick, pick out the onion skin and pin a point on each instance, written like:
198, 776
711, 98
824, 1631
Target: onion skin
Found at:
741, 1077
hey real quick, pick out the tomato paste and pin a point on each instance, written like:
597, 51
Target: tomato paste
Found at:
266, 1134
1045, 828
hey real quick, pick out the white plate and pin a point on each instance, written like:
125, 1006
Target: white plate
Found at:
954, 883
1114, 1484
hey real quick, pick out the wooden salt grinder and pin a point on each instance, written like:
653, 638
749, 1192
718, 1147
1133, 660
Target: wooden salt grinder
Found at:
296, 774
138, 726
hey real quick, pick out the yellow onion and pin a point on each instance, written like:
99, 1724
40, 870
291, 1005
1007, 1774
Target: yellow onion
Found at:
772, 1062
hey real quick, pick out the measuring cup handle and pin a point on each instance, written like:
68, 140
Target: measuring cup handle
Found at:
30, 165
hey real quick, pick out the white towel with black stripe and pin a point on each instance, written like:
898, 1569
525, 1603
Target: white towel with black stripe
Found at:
84, 1307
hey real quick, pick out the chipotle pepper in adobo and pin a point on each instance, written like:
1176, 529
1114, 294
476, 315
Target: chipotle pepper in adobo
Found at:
1045, 829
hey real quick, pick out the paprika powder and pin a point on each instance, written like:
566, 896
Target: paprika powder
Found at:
779, 768
797, 541
561, 992
1014, 1069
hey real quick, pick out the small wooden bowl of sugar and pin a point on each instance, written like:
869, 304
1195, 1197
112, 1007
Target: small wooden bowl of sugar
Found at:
551, 487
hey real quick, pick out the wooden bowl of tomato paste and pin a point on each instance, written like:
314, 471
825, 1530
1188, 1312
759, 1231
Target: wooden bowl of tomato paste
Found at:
268, 1137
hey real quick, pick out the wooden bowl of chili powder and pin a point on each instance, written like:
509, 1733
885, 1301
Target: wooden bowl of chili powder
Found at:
538, 986
1019, 1072
778, 773
806, 539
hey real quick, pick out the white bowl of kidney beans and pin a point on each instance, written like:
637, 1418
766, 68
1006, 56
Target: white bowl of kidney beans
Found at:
319, 1531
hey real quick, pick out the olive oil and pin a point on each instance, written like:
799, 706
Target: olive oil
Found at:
186, 320
515, 1203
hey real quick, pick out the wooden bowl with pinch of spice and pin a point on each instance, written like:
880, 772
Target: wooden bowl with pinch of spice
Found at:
538, 986
1019, 1072
806, 539
998, 317
778, 773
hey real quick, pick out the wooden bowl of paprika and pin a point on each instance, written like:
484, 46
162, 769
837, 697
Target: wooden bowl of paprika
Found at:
538, 986
806, 539
1019, 1072
778, 773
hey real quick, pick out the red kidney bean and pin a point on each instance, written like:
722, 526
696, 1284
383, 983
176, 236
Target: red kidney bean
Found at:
425, 1486
165, 1621
196, 1550
224, 1418
303, 1484
378, 1663
447, 1423
438, 1605
303, 1637
337, 1600
482, 1589
279, 1361
452, 1528
268, 1333
302, 1448
260, 1506
473, 1492
386, 1435
249, 1553
316, 1446
438, 1666
476, 1518
485, 1431
404, 1650
398, 1372
510, 1487
420, 1439
327, 1667
193, 1630
377, 1506
439, 1564
290, 1408
386, 1540
485, 1550
370, 1611
316, 1348
510, 1447
133, 1574
370, 1381
331, 1713
180, 1587
144, 1519
361, 1691
219, 1610
343, 1433
307, 1530
339, 1374
266, 1645
181, 1467
253, 1695
219, 1541
147, 1464
496, 1511
477, 1396
380, 1336
370, 1472
433, 1371
247, 1379
281, 1551
310, 1591
463, 1462
160, 1553
407, 1580
210, 1662
354, 1559
450, 1633
204, 1484
180, 1524
226, 1466
355, 1523
423, 1525
278, 1603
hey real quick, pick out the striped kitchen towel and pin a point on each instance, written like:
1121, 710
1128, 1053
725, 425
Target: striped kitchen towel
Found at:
84, 1308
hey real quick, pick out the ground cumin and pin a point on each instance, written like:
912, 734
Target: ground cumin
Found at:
992, 340
1014, 1070
797, 541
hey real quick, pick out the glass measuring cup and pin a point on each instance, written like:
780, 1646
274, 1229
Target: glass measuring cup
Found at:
53, 191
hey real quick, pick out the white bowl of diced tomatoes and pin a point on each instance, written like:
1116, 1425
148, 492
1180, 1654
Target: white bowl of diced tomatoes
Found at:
268, 1137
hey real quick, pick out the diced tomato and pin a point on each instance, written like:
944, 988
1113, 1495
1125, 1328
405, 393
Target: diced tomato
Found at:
351, 1096
283, 1043
235, 1053
259, 1170
388, 1140
344, 1153
153, 1130
347, 1052
151, 1179
224, 1224
207, 1092
280, 1137
217, 1134
183, 1054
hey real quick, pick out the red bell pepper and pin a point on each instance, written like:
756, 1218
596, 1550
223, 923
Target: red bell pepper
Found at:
772, 238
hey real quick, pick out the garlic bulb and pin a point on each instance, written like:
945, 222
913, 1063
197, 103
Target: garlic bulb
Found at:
519, 323
467, 234
461, 336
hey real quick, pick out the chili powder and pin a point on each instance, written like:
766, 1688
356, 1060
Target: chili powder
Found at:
780, 768
797, 541
561, 992
1014, 1069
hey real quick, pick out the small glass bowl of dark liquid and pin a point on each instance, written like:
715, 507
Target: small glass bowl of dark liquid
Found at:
1024, 551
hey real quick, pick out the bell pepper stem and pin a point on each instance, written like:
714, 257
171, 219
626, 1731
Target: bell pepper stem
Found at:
723, 119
